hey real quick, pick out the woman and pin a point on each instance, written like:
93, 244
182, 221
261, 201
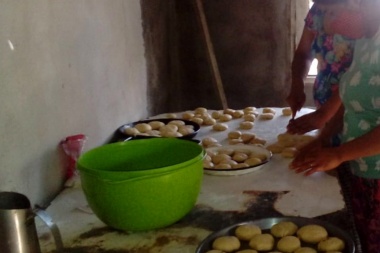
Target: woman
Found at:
334, 53
360, 125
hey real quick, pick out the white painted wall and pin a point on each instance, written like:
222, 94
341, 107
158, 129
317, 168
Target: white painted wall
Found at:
66, 67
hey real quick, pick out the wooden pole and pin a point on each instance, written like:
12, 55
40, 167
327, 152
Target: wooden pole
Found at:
211, 53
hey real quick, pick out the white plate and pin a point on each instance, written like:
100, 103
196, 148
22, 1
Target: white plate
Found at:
233, 172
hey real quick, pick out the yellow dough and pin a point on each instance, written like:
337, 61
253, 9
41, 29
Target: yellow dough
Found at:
187, 115
220, 157
247, 251
246, 125
266, 116
207, 164
237, 114
312, 233
240, 166
227, 151
269, 110
171, 115
143, 127
216, 114
208, 141
247, 231
177, 122
226, 243
247, 137
258, 140
284, 228
331, 244
249, 117
253, 161
156, 124
225, 118
287, 111
200, 110
131, 131
288, 244
262, 242
234, 135
305, 250
215, 251
228, 111
197, 120
240, 157
220, 127
235, 141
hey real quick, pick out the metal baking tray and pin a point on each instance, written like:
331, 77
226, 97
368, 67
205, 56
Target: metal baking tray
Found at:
267, 223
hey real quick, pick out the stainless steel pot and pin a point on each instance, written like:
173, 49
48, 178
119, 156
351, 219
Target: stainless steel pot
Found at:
17, 227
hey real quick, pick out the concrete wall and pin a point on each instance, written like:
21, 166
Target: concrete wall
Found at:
66, 67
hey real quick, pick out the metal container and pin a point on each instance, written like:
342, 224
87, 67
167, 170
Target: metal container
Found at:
17, 227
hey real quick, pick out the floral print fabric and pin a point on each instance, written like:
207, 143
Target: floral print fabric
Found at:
334, 54
360, 93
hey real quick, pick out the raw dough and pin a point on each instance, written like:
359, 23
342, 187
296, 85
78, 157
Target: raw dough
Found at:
226, 243
237, 114
284, 228
247, 251
208, 121
234, 135
249, 117
223, 166
288, 244
187, 115
247, 137
287, 111
305, 250
215, 251
216, 114
240, 157
220, 127
235, 141
143, 127
262, 242
200, 110
312, 233
269, 110
220, 157
208, 164
331, 244
225, 118
258, 140
155, 125
266, 116
240, 166
247, 231
131, 131
208, 141
171, 115
177, 122
227, 151
246, 125
197, 120
229, 111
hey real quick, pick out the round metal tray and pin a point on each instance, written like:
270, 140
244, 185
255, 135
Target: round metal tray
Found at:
267, 223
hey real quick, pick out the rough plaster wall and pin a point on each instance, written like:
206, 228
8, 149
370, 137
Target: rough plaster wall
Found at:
253, 40
66, 67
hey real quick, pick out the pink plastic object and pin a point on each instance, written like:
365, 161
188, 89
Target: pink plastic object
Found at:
73, 146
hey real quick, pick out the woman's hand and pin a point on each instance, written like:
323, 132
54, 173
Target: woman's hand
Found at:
309, 161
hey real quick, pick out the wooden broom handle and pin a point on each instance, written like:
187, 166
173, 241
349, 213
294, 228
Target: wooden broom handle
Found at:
211, 53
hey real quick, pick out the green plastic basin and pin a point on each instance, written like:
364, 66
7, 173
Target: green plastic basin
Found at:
124, 160
148, 201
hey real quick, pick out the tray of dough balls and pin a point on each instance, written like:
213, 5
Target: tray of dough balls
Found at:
165, 127
279, 235
230, 160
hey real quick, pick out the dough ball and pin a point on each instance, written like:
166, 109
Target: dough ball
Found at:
262, 242
258, 140
247, 137
246, 125
249, 117
240, 166
171, 134
216, 114
249, 109
275, 148
247, 251
214, 145
215, 251
253, 161
171, 115
220, 157
208, 164
187, 115
177, 122
247, 231
235, 141
269, 110
197, 120
220, 127
305, 250
155, 133
225, 118
289, 152
208, 121
131, 131
288, 244
234, 135
284, 228
261, 156
287, 111
185, 130
243, 150
222, 166
226, 243
169, 128
208, 140
266, 116
312, 233
155, 125
331, 244
200, 110
227, 151
239, 157
237, 114
143, 127
229, 111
